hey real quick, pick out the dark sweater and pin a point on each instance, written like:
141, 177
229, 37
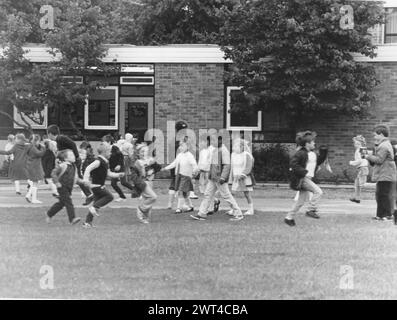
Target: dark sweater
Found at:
116, 159
64, 142
48, 163
298, 165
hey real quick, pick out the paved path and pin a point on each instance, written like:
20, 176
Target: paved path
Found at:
9, 200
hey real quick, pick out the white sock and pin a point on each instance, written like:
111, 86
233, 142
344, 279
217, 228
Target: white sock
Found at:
180, 202
189, 203
171, 197
17, 186
34, 193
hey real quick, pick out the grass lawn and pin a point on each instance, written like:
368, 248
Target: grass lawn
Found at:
178, 258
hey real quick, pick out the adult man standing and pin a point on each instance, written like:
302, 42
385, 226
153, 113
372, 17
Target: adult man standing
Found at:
63, 143
217, 180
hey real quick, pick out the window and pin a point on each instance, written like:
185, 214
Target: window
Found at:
391, 25
102, 109
135, 80
241, 120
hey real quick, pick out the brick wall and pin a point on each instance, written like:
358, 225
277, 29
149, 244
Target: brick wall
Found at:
337, 132
190, 92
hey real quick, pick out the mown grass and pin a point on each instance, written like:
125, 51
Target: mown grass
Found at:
178, 258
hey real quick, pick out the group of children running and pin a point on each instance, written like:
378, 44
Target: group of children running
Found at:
61, 165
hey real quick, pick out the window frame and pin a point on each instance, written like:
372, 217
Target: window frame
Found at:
388, 34
136, 83
258, 127
87, 126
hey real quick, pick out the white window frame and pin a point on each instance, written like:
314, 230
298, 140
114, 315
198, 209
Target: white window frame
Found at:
229, 116
387, 6
86, 109
137, 83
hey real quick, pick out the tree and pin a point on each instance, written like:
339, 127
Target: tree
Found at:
79, 33
293, 54
155, 22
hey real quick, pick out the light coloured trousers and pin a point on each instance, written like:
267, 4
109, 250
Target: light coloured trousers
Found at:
149, 197
209, 196
304, 195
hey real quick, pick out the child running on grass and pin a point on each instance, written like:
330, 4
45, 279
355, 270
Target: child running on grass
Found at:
185, 168
98, 171
17, 171
361, 165
241, 177
303, 167
48, 163
64, 176
34, 168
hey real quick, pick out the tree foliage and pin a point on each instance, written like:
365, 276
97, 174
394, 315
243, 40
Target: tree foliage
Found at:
172, 21
293, 54
78, 38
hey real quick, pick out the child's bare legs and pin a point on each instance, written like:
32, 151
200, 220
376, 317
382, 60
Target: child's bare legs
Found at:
250, 210
31, 196
188, 201
357, 191
17, 186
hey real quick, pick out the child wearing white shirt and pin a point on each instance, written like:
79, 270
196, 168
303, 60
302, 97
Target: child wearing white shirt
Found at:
361, 166
185, 168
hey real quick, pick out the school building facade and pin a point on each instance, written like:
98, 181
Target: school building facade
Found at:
158, 84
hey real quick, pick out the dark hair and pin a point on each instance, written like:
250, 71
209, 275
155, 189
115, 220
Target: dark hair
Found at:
382, 129
85, 145
304, 137
108, 138
53, 129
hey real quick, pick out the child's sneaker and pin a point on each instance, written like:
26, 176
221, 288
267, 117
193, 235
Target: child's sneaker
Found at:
18, 193
28, 199
55, 195
230, 212
249, 213
93, 211
87, 225
36, 201
75, 221
237, 217
193, 195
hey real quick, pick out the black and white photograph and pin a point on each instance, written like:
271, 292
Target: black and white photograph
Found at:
217, 152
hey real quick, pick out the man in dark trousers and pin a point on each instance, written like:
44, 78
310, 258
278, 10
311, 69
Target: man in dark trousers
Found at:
64, 143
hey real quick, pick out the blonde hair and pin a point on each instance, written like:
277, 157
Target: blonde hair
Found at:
360, 139
10, 137
103, 147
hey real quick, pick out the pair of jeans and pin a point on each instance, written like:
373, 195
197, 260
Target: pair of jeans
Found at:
308, 186
65, 200
209, 195
124, 183
385, 197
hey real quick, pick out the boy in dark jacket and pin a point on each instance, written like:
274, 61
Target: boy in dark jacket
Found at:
116, 164
64, 177
303, 166
48, 164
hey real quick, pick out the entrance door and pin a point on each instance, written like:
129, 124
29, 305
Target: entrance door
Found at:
136, 115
